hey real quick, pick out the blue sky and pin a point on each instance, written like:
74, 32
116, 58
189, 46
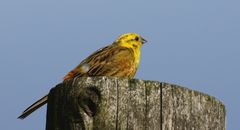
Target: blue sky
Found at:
190, 43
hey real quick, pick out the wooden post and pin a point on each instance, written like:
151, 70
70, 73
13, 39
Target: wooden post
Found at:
101, 103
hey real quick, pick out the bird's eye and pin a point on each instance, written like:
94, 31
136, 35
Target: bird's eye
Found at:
136, 38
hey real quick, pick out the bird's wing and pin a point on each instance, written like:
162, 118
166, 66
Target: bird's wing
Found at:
109, 61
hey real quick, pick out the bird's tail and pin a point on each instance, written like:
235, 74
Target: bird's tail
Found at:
34, 107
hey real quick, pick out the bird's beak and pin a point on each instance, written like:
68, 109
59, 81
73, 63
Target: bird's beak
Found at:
143, 41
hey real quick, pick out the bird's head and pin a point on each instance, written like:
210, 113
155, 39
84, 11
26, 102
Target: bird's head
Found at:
130, 40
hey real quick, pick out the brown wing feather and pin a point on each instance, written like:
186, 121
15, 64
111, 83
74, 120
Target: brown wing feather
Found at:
77, 70
109, 61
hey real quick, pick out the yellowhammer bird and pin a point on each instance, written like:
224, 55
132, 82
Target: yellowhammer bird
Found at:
120, 59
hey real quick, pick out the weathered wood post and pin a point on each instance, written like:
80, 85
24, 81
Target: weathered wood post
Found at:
101, 103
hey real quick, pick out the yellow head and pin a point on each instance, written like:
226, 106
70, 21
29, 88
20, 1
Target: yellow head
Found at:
130, 40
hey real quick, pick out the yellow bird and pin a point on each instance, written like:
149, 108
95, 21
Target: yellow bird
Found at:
119, 59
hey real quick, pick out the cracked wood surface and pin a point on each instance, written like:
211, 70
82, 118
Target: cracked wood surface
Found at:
102, 103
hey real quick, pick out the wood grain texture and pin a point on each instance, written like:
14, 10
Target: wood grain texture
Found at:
185, 109
102, 103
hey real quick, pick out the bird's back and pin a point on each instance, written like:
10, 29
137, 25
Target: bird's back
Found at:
112, 60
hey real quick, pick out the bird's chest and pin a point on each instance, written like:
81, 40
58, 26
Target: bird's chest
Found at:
136, 58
